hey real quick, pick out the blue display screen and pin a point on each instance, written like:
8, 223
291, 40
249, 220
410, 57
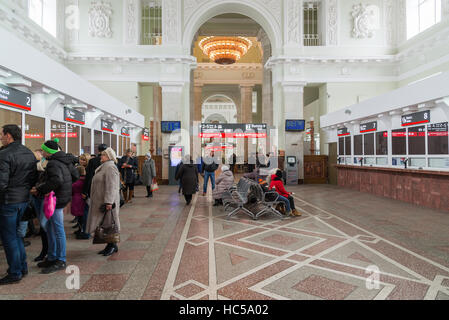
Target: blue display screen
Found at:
170, 126
295, 125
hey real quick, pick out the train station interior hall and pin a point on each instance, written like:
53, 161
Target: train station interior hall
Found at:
319, 126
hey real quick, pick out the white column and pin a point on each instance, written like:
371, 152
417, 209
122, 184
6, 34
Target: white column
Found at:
331, 22
445, 9
175, 107
294, 109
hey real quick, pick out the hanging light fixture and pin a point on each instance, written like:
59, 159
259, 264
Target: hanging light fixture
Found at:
225, 50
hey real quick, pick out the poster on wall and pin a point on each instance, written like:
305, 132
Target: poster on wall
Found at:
107, 126
15, 98
74, 116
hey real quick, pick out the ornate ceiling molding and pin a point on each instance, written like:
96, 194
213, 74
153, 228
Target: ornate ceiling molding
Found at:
100, 14
366, 20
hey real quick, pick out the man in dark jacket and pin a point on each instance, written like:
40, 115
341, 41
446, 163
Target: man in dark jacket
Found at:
93, 164
209, 167
18, 174
59, 175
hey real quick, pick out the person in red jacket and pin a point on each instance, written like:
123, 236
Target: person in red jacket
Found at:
276, 182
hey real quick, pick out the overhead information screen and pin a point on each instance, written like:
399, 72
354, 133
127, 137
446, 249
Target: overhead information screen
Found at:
343, 132
295, 125
107, 126
15, 98
170, 126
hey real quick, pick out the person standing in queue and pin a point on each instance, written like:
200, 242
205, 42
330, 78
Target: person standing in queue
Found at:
18, 174
92, 164
188, 174
105, 192
59, 175
127, 165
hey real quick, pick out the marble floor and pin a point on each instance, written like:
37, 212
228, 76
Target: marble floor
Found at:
346, 245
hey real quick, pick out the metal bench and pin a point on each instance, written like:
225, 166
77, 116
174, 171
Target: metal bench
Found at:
238, 198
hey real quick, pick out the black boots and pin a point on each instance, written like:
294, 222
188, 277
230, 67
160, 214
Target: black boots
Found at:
109, 250
218, 202
112, 249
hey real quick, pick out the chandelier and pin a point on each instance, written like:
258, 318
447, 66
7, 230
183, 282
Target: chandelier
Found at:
225, 50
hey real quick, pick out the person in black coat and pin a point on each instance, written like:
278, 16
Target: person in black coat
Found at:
188, 174
59, 175
176, 172
18, 174
127, 165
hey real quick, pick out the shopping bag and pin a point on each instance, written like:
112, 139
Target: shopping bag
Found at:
154, 186
49, 205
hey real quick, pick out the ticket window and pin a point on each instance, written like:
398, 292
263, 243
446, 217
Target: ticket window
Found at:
86, 141
10, 117
58, 130
114, 143
120, 146
34, 132
98, 139
107, 139
73, 139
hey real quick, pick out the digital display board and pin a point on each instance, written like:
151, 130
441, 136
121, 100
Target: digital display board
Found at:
295, 125
368, 127
175, 156
15, 98
170, 126
233, 130
416, 118
75, 116
291, 160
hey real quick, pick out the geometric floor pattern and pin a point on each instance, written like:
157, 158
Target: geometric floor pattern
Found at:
332, 252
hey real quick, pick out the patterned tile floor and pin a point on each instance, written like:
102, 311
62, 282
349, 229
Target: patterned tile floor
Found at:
333, 251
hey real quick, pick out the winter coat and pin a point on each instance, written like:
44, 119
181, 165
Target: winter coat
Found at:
128, 173
223, 182
277, 183
78, 203
148, 172
188, 173
18, 173
93, 164
209, 165
105, 189
59, 175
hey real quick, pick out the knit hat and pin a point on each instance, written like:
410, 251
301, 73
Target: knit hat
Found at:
148, 155
111, 154
51, 146
224, 168
279, 174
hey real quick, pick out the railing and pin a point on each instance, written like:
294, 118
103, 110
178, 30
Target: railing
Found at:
311, 23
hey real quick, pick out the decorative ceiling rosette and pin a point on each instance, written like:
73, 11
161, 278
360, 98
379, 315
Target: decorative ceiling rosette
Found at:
100, 14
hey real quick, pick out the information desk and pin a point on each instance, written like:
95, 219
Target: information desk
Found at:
423, 188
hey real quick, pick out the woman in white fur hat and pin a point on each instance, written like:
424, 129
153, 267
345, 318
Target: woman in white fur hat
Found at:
223, 182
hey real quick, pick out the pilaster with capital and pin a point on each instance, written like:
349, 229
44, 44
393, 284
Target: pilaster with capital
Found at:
132, 21
171, 22
294, 109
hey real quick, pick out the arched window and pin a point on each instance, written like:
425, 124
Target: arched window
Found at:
43, 12
421, 15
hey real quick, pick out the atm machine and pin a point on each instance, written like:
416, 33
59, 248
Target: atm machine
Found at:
176, 154
291, 170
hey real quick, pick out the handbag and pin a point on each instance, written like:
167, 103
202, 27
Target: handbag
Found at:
49, 205
154, 186
30, 213
107, 234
